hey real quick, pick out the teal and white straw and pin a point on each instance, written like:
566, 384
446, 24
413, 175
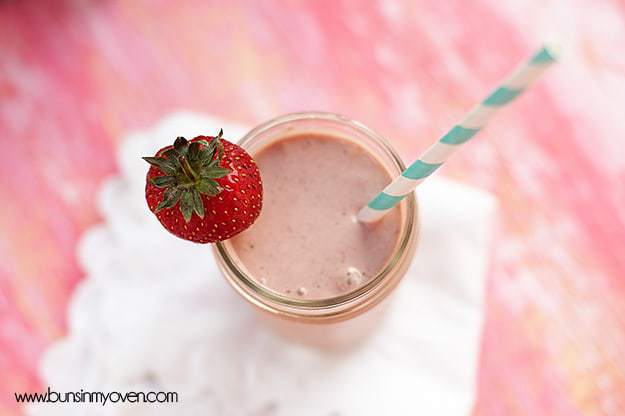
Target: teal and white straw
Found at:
439, 152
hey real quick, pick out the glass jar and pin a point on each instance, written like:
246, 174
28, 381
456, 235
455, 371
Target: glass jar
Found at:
342, 320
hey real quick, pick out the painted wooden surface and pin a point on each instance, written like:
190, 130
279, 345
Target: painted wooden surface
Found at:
75, 76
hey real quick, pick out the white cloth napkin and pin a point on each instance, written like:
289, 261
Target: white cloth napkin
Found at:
154, 313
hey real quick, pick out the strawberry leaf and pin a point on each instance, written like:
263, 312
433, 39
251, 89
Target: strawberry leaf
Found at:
181, 145
194, 151
186, 205
171, 197
214, 162
164, 181
214, 172
208, 186
220, 150
165, 165
171, 154
207, 153
198, 205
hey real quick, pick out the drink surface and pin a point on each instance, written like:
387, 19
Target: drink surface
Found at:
306, 243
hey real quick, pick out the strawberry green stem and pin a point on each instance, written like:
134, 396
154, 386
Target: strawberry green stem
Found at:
187, 169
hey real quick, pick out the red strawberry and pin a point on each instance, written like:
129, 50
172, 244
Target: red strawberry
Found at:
204, 190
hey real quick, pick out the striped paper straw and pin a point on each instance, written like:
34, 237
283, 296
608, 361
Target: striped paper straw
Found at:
439, 152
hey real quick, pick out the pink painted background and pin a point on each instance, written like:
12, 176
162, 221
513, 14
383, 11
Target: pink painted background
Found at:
75, 76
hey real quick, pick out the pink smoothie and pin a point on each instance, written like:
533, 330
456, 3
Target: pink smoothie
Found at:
306, 243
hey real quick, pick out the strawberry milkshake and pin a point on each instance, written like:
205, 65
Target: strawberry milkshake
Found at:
307, 243
316, 272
